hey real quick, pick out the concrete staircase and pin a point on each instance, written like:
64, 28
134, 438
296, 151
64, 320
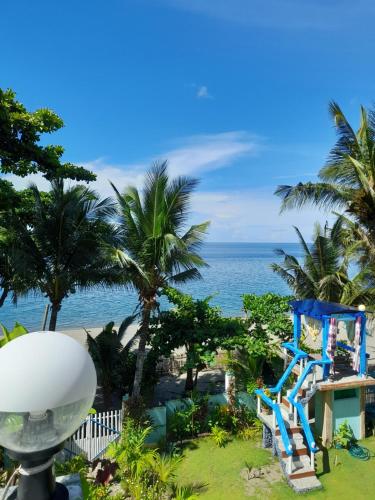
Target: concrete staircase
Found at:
297, 468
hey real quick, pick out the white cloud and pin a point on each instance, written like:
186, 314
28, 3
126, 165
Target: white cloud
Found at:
283, 14
243, 215
252, 215
202, 93
192, 155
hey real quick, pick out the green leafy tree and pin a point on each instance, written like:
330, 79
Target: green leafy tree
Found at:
68, 245
346, 181
155, 248
195, 325
267, 322
20, 150
323, 272
114, 362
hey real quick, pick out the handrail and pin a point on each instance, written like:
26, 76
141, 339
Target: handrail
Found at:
293, 348
298, 406
298, 356
280, 421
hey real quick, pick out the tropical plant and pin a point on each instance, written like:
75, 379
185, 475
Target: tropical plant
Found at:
188, 492
346, 181
68, 245
77, 464
324, 272
20, 150
195, 325
114, 362
8, 336
144, 473
344, 436
219, 435
154, 249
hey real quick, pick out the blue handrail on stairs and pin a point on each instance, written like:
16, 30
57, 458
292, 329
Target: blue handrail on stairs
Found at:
280, 421
298, 355
301, 412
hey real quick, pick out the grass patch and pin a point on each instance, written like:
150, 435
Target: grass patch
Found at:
219, 468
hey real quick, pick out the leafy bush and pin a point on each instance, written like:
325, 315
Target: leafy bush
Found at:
144, 473
219, 435
344, 436
75, 465
249, 433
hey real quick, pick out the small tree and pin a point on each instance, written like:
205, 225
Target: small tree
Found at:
195, 325
267, 322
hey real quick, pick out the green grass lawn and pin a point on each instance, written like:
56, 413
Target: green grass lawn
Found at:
219, 469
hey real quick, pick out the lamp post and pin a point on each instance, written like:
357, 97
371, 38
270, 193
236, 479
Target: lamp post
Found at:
48, 384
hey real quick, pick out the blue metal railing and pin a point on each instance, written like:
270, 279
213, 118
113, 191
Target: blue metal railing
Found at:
298, 406
298, 355
280, 421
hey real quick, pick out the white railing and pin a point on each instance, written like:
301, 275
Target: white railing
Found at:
95, 434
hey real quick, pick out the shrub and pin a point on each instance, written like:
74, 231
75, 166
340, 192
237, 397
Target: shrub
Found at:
75, 465
220, 436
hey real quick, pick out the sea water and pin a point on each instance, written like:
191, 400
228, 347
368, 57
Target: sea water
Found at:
234, 269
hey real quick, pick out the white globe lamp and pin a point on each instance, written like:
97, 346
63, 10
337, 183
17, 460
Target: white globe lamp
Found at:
48, 385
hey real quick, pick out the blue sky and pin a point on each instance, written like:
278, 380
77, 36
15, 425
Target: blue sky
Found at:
234, 92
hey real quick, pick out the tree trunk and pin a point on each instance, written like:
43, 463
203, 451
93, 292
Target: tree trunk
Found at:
189, 384
141, 354
55, 308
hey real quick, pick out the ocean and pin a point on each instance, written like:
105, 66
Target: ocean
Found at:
234, 269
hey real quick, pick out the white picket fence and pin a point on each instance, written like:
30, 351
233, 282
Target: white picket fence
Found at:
95, 434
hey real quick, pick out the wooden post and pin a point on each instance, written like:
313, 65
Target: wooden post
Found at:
327, 432
362, 409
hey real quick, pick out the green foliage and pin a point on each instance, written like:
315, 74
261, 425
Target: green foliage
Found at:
344, 436
76, 465
154, 247
187, 422
324, 273
232, 416
250, 432
18, 331
20, 150
114, 362
184, 493
66, 247
144, 473
346, 183
219, 435
195, 325
268, 313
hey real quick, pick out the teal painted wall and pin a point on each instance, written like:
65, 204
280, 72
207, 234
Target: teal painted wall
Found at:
348, 409
343, 409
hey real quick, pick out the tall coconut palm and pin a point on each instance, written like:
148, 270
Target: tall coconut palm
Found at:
324, 271
347, 181
156, 250
68, 244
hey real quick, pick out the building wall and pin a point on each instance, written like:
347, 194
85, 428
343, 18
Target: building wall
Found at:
338, 406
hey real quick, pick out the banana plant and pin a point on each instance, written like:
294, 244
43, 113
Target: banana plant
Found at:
8, 335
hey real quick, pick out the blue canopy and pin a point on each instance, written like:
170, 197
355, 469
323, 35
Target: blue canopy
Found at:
318, 308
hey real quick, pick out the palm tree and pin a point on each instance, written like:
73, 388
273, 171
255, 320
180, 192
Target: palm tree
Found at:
68, 245
113, 360
156, 250
324, 272
347, 181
